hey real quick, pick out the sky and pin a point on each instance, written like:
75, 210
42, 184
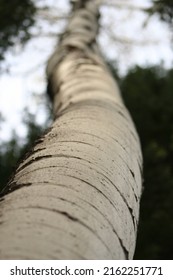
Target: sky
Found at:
24, 84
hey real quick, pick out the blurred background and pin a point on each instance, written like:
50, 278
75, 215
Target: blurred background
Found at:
136, 40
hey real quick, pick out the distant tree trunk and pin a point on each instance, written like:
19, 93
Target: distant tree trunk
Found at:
76, 195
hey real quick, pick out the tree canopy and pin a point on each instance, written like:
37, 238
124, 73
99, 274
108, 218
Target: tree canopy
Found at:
164, 8
16, 17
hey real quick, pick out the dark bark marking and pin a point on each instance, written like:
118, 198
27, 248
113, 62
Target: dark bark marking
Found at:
33, 160
13, 187
100, 173
133, 175
65, 156
126, 252
73, 219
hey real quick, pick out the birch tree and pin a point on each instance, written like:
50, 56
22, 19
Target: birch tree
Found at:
76, 194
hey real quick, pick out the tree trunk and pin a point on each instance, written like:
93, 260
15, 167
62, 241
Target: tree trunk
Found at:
76, 194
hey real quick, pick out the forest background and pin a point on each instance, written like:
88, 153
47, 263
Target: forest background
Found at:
148, 93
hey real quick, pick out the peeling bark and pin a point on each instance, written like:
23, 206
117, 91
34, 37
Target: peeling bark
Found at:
77, 194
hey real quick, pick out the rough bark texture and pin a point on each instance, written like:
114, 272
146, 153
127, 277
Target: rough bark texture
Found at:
77, 194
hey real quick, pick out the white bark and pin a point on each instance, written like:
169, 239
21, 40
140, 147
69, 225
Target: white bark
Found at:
77, 194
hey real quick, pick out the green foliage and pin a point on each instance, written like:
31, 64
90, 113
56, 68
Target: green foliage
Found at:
148, 93
164, 8
16, 17
12, 151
